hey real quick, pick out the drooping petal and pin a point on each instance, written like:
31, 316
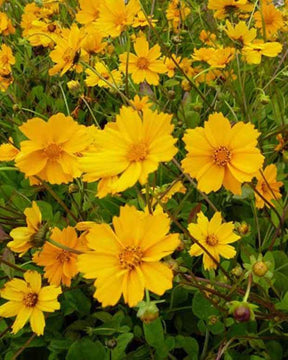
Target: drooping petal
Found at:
158, 277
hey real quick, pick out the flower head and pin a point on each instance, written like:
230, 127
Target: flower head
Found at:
221, 154
101, 74
240, 32
28, 300
253, 52
126, 260
89, 11
269, 20
224, 8
215, 237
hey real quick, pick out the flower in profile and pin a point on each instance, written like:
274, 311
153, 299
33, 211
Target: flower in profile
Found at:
253, 52
207, 37
60, 264
102, 76
6, 27
267, 186
224, 8
145, 65
176, 14
141, 21
221, 154
170, 64
115, 16
6, 58
269, 20
215, 238
8, 151
89, 11
28, 300
93, 42
32, 235
240, 32
126, 259
130, 148
53, 148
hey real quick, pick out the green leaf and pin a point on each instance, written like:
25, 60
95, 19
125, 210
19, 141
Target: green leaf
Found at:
154, 336
75, 300
202, 307
122, 342
87, 349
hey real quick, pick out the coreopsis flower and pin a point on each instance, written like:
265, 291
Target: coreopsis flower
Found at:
221, 57
6, 27
215, 237
267, 186
140, 20
126, 259
140, 103
224, 8
41, 33
32, 235
176, 13
89, 11
60, 264
115, 16
221, 154
53, 148
253, 52
130, 148
269, 20
101, 74
93, 42
8, 151
170, 64
240, 32
207, 37
28, 300
145, 65
6, 58
68, 52
203, 54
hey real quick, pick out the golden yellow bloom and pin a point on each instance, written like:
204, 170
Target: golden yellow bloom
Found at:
240, 32
203, 54
126, 260
60, 265
145, 65
6, 26
89, 11
53, 148
267, 186
113, 77
141, 21
253, 52
92, 42
24, 238
269, 20
221, 57
220, 154
141, 103
224, 8
41, 33
130, 148
207, 37
6, 58
215, 237
176, 13
28, 300
115, 16
170, 64
8, 151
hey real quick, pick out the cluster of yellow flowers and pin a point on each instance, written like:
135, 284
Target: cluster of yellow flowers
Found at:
125, 258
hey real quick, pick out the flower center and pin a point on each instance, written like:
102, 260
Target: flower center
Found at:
142, 63
222, 156
211, 240
30, 299
63, 256
105, 75
138, 152
130, 257
229, 8
53, 151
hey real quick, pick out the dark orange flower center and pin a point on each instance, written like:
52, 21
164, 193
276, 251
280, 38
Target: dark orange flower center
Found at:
222, 156
53, 151
30, 299
138, 152
130, 257
211, 240
143, 63
63, 256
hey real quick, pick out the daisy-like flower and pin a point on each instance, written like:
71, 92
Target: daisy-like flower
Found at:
253, 52
269, 20
6, 58
24, 238
215, 237
130, 148
115, 16
141, 103
8, 151
176, 13
113, 77
126, 259
171, 66
53, 148
89, 11
207, 37
28, 300
145, 65
221, 57
240, 32
59, 264
221, 154
224, 8
6, 26
268, 186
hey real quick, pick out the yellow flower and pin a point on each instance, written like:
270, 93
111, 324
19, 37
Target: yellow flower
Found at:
224, 8
24, 238
219, 154
89, 11
221, 57
176, 13
92, 42
267, 186
28, 300
113, 77
132, 148
53, 148
59, 264
214, 237
269, 20
126, 260
207, 37
115, 16
253, 52
279, 147
41, 33
171, 66
240, 32
6, 26
6, 59
141, 103
141, 21
8, 151
145, 65
203, 54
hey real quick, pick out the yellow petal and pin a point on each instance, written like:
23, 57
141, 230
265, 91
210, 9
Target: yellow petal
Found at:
37, 321
158, 277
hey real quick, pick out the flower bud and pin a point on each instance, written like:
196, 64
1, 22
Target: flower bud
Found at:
260, 268
147, 312
242, 314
